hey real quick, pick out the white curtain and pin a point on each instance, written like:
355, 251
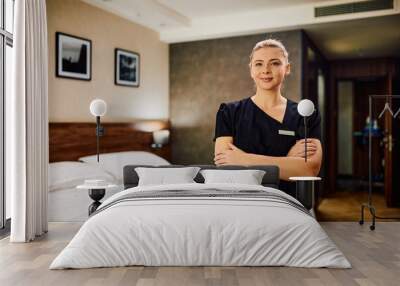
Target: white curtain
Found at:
27, 123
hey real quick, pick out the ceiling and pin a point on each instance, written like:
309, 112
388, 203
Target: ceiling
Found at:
363, 38
207, 8
361, 35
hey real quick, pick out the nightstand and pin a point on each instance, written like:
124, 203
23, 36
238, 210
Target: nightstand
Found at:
96, 190
305, 191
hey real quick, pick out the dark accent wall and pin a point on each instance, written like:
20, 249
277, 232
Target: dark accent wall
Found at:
203, 74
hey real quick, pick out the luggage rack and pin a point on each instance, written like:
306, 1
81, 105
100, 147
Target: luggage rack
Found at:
369, 204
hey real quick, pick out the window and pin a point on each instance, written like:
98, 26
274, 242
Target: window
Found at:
6, 45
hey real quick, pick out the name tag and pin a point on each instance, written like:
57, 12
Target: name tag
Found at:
286, 132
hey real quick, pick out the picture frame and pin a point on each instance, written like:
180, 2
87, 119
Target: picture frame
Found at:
127, 68
73, 57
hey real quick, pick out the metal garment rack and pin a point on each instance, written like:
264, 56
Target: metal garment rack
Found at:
369, 205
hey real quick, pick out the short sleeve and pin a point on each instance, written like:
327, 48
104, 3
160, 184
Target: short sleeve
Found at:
314, 125
224, 122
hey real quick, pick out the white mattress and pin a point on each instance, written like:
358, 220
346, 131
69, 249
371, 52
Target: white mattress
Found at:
191, 231
71, 205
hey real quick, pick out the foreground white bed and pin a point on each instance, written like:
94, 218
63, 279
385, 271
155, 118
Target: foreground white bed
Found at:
200, 231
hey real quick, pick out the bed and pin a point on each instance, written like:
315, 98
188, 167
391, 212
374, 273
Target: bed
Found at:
203, 223
71, 147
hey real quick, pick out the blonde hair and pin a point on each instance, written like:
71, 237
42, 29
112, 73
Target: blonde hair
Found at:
270, 43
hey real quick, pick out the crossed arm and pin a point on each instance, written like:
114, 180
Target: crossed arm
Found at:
292, 165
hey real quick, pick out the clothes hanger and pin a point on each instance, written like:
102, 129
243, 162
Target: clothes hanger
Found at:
386, 108
397, 113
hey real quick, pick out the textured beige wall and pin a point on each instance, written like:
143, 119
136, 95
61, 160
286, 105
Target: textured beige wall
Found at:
204, 74
69, 99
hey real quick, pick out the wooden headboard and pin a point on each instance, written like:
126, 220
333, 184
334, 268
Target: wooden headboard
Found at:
70, 141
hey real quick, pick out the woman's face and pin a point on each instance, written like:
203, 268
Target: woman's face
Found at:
268, 68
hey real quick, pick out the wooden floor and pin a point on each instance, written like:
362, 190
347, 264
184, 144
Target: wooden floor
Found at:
375, 257
345, 206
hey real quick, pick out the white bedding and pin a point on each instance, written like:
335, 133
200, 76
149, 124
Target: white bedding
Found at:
66, 203
114, 163
71, 204
69, 174
200, 231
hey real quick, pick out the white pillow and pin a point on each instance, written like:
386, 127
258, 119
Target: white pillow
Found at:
65, 175
114, 163
163, 176
248, 177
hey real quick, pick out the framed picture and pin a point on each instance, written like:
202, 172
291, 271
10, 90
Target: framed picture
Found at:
127, 66
73, 57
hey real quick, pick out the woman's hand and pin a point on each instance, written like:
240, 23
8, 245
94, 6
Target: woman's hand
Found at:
231, 156
297, 149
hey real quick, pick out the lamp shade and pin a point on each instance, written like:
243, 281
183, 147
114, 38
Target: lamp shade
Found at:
98, 107
161, 137
305, 107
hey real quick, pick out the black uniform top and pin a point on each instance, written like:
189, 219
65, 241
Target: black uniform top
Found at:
254, 131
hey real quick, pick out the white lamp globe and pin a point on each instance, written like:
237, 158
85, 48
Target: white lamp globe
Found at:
98, 107
305, 107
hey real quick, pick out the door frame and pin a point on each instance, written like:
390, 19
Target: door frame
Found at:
348, 70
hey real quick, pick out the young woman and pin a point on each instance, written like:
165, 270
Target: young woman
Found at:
266, 129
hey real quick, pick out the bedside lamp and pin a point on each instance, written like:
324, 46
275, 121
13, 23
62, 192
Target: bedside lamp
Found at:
305, 109
98, 108
160, 138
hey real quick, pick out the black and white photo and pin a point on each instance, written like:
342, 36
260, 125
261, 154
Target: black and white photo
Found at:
127, 66
73, 57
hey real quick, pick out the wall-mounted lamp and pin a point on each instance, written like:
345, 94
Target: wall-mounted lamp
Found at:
160, 138
305, 109
98, 108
